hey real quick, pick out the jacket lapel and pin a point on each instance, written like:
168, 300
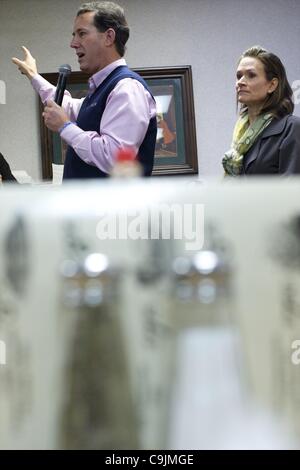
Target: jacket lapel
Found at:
252, 154
276, 127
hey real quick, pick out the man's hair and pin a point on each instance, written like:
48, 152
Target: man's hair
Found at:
109, 15
280, 102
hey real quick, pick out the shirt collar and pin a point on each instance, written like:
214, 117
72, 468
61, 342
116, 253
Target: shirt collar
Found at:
99, 77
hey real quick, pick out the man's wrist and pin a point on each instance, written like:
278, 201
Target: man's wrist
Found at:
31, 74
66, 124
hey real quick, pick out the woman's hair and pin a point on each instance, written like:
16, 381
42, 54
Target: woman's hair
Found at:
280, 102
109, 15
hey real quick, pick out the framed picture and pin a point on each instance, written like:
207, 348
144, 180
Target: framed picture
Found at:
176, 147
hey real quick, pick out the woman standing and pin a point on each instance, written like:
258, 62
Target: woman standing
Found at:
266, 137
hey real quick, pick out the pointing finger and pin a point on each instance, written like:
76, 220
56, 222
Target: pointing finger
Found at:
26, 51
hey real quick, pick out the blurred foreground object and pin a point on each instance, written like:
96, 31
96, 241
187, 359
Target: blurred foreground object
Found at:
150, 315
126, 164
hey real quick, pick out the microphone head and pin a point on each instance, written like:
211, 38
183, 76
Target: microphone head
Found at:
65, 68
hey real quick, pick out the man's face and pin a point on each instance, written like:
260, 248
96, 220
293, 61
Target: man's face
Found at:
89, 44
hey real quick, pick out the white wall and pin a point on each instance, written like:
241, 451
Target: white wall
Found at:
207, 34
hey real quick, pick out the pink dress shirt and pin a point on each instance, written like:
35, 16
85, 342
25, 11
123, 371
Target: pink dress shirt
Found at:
129, 102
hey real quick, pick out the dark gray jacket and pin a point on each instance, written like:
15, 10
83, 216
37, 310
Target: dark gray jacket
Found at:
5, 171
277, 149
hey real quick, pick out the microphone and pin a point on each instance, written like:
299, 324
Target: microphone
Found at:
64, 72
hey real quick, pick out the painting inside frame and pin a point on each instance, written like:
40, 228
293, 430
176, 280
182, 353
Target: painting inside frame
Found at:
176, 148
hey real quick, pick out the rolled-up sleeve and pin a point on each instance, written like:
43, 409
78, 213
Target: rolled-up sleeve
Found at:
47, 92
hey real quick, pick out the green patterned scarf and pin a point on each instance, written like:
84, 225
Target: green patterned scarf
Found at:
244, 137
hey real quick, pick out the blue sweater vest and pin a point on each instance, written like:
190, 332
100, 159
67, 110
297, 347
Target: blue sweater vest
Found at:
89, 118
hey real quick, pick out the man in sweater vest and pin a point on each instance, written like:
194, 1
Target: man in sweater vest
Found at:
119, 111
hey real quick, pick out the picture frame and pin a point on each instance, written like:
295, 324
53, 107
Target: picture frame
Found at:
176, 145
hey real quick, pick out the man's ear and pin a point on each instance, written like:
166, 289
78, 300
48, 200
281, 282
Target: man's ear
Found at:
110, 36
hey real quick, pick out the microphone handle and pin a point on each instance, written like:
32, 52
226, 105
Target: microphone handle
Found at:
60, 89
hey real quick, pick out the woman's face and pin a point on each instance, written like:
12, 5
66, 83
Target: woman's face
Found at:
252, 86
